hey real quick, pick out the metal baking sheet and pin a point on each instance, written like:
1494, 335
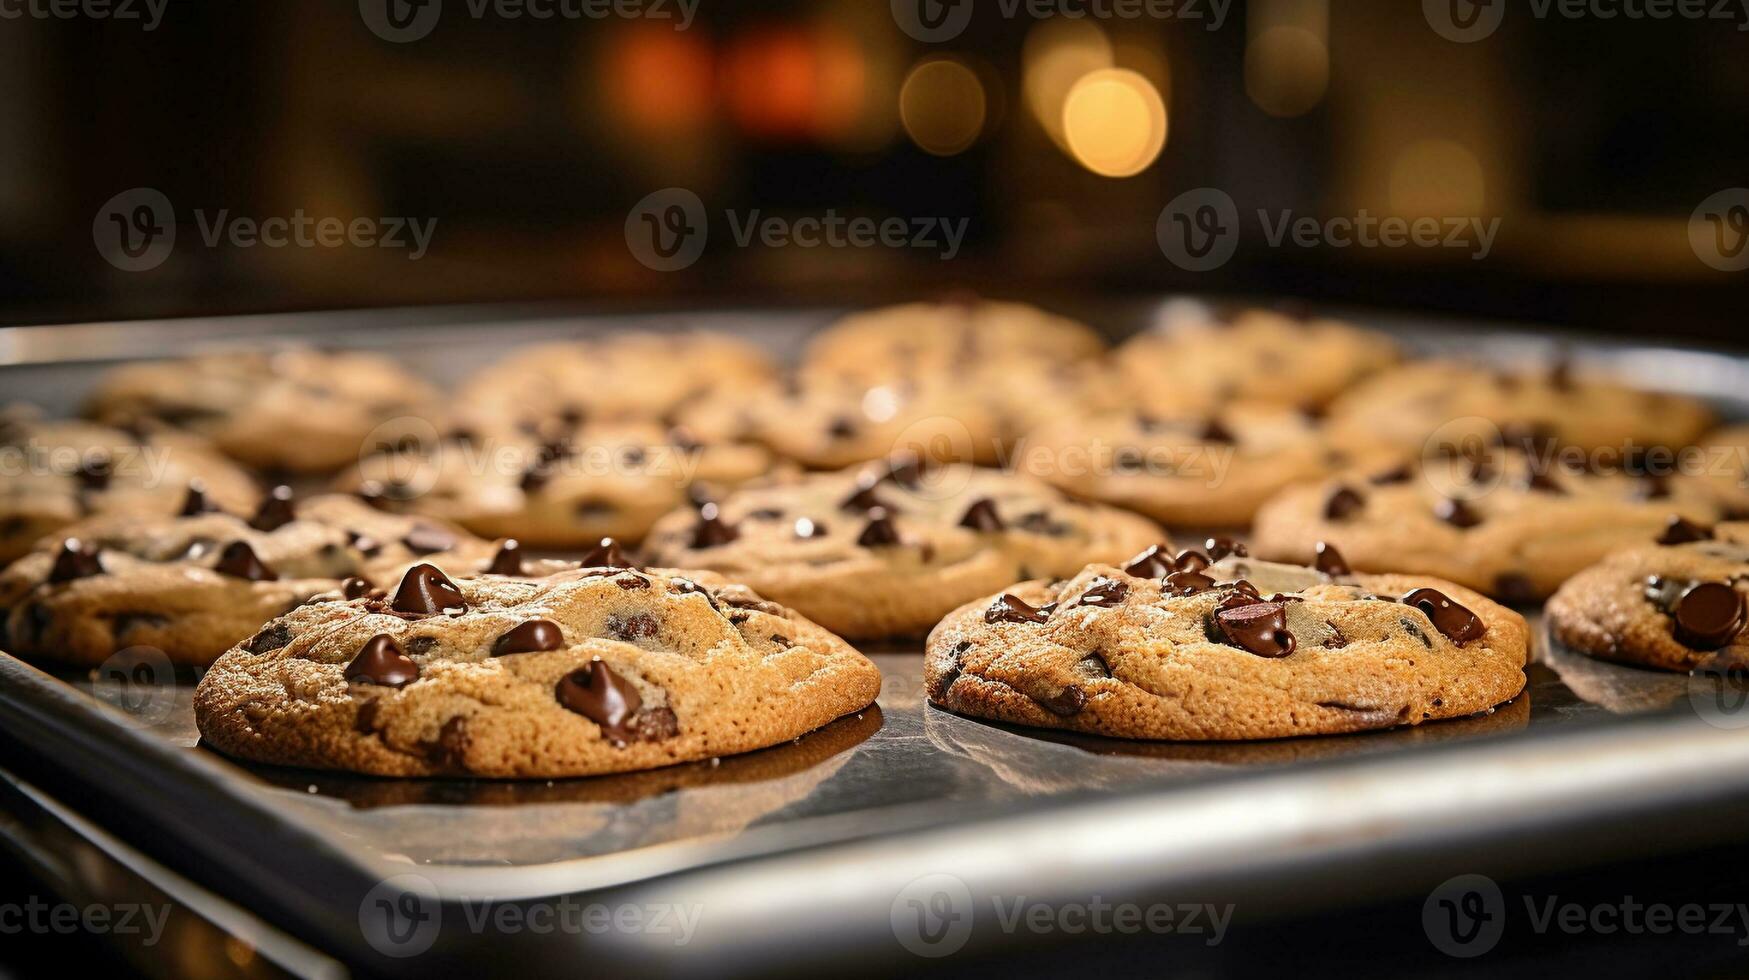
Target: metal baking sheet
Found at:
868, 804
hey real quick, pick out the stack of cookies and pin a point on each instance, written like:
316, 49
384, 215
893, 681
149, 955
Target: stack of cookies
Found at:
626, 551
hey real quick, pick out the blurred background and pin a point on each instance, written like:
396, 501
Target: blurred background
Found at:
1058, 139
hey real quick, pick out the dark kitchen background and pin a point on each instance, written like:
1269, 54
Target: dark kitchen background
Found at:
529, 140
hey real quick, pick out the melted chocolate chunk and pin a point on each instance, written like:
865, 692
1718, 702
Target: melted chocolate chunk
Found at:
238, 560
272, 637
1537, 479
1188, 582
367, 546
1457, 513
841, 427
75, 560
1257, 627
508, 560
603, 697
426, 591
632, 582
1457, 623
534, 636
1681, 530
1214, 431
427, 539
1342, 504
534, 478
356, 587
1156, 562
1330, 561
907, 470
1008, 609
606, 555
1069, 701
1219, 547
1708, 615
632, 628
276, 510
807, 527
880, 532
95, 472
982, 516
863, 498
381, 662
684, 586
1104, 592
196, 502
712, 531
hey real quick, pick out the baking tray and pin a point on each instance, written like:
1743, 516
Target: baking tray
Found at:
809, 855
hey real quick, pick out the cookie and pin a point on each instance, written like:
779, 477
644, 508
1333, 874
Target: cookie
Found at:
559, 487
1199, 362
1719, 465
886, 550
603, 669
636, 376
1178, 648
916, 341
55, 473
193, 586
1200, 471
1674, 603
1498, 522
1455, 401
297, 410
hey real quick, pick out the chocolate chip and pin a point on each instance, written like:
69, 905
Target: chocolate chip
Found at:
374, 494
685, 586
880, 532
1069, 701
603, 697
1214, 431
1093, 666
1515, 587
534, 478
381, 662
841, 427
1539, 479
426, 591
907, 470
1681, 530
534, 636
1708, 615
1330, 561
655, 725
75, 560
1399, 474
1187, 582
982, 516
1342, 504
367, 546
630, 628
196, 502
1156, 562
1008, 609
762, 514
712, 531
863, 498
1457, 513
632, 582
1457, 623
420, 645
1257, 627
95, 471
427, 539
809, 528
606, 555
449, 751
508, 560
276, 510
238, 560
272, 637
1220, 547
1104, 592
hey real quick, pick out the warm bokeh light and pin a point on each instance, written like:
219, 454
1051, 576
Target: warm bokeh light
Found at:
942, 106
1287, 70
1437, 177
659, 81
795, 83
1114, 122
1057, 54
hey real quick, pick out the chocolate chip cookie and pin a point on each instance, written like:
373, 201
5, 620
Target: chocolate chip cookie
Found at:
1176, 647
193, 585
604, 669
53, 474
298, 410
1211, 470
1200, 362
1720, 466
1499, 521
916, 341
1675, 603
886, 550
555, 486
1453, 401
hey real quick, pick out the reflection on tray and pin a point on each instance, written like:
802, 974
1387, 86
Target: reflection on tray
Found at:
365, 792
